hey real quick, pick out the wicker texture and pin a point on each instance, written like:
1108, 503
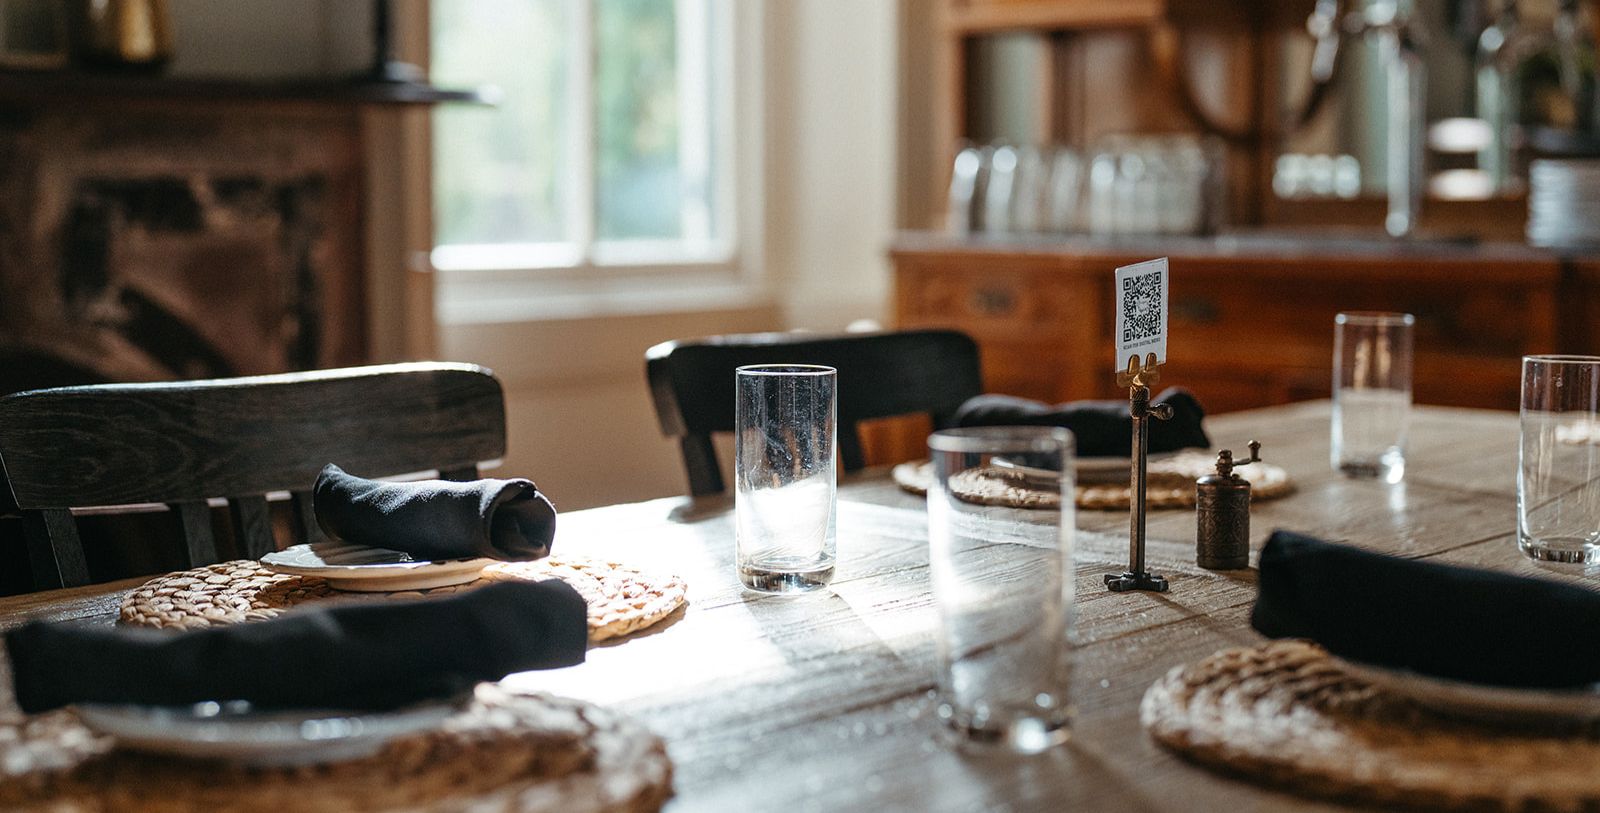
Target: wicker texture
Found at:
1285, 714
621, 600
505, 753
1169, 483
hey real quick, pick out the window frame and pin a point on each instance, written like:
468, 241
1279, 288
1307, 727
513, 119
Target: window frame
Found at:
473, 279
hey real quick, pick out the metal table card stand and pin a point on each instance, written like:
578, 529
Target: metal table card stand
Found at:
1138, 378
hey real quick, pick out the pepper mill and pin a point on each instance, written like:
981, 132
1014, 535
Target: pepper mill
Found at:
1222, 514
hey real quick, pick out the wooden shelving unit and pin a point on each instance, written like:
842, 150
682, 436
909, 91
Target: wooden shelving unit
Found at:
1127, 66
1254, 312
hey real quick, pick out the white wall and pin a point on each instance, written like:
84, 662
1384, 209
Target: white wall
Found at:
831, 112
274, 40
579, 418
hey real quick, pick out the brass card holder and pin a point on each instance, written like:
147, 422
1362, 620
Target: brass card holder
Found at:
1138, 378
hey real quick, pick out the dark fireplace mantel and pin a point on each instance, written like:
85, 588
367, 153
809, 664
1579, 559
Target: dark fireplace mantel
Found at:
158, 229
120, 89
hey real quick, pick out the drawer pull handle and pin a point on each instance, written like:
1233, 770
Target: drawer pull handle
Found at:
1198, 311
993, 301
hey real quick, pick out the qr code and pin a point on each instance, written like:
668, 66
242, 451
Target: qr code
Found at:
1141, 307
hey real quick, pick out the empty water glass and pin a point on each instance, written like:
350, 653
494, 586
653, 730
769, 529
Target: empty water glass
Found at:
784, 495
1000, 194
1003, 585
1066, 191
1558, 476
1032, 211
1371, 394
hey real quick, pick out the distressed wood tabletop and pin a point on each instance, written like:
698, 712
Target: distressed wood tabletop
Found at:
823, 702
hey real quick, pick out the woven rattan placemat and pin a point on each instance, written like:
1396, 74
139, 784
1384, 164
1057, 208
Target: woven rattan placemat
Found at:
1169, 484
622, 600
506, 753
1285, 714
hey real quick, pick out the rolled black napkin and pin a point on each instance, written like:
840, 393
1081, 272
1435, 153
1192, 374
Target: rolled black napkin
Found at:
1449, 622
356, 657
437, 519
1103, 428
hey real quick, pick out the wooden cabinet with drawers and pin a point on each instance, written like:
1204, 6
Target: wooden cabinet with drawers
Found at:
1251, 320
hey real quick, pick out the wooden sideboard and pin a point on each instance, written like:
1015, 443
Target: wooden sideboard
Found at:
1251, 320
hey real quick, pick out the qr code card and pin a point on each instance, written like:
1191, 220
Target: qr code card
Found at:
1141, 311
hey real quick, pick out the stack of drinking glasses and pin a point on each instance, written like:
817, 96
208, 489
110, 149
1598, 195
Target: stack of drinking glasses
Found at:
1125, 185
1153, 185
1561, 195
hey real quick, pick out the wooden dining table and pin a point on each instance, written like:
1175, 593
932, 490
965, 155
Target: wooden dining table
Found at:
824, 701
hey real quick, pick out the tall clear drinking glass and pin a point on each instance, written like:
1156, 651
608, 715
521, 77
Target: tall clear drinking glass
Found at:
784, 495
1558, 476
1371, 394
1003, 585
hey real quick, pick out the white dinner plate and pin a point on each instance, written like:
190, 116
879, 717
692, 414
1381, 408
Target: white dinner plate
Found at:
233, 732
1493, 704
367, 569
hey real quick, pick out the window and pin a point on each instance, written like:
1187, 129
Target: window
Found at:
611, 145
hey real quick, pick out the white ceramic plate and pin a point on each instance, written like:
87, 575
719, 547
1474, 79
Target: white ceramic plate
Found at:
1493, 704
231, 731
1089, 470
367, 569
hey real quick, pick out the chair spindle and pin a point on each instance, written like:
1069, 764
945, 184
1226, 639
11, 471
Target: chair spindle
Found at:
194, 517
252, 525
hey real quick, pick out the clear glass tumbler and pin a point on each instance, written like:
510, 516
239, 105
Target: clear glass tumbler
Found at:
1003, 585
784, 449
1371, 394
1558, 472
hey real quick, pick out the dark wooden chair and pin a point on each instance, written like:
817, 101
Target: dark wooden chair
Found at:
880, 375
186, 442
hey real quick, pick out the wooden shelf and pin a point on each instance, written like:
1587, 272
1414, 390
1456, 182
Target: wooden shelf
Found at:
1294, 250
70, 87
982, 16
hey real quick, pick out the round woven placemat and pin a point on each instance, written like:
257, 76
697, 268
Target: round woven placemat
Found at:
1169, 483
1285, 714
622, 600
504, 753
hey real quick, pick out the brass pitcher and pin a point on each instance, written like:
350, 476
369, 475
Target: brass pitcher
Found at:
123, 35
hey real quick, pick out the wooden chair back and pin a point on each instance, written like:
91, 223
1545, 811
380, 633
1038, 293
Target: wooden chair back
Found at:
183, 443
880, 375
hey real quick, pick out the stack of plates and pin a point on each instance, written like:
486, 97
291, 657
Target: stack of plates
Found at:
1564, 202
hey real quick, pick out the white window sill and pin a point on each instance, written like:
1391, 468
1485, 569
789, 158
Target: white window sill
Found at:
563, 299
599, 333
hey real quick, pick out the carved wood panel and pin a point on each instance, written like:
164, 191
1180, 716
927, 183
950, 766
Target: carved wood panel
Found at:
166, 241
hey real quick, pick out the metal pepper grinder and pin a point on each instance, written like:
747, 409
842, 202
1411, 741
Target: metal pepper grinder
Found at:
1222, 514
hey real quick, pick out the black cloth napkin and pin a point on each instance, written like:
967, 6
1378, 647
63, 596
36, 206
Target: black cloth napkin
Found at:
1103, 428
437, 519
354, 656
1450, 622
